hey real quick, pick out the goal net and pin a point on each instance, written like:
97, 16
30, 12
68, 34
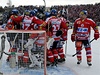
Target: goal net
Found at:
23, 52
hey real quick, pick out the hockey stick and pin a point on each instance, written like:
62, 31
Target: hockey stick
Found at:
79, 50
5, 53
44, 4
14, 41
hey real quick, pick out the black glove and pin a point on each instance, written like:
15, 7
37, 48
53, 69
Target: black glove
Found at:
59, 32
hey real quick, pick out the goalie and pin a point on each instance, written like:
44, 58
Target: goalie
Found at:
37, 40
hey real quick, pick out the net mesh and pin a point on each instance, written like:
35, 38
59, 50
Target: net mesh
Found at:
24, 50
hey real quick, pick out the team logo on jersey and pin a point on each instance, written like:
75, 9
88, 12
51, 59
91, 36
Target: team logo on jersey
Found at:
82, 25
82, 29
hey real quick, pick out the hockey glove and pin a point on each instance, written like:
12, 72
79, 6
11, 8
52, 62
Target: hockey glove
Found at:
96, 35
42, 26
73, 37
59, 33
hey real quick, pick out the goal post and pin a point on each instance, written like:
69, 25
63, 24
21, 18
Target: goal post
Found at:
27, 48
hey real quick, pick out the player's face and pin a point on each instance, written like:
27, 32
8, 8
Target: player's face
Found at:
82, 16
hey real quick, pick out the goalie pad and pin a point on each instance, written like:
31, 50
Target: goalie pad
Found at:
50, 42
30, 43
35, 60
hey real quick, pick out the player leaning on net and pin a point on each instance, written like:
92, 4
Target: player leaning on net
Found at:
31, 22
25, 22
81, 35
55, 24
14, 22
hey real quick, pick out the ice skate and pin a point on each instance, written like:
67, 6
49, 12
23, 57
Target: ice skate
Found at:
54, 63
79, 62
61, 60
89, 63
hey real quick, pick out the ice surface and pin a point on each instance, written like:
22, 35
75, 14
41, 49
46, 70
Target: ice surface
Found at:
68, 68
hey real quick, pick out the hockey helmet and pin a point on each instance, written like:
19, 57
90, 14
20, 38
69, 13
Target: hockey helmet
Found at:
35, 10
83, 12
47, 14
32, 13
14, 12
54, 12
27, 12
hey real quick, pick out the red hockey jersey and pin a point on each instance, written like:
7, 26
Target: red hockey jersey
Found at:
82, 28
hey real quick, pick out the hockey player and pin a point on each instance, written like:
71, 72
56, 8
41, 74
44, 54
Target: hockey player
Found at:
60, 16
35, 44
55, 24
31, 22
29, 46
81, 35
14, 21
